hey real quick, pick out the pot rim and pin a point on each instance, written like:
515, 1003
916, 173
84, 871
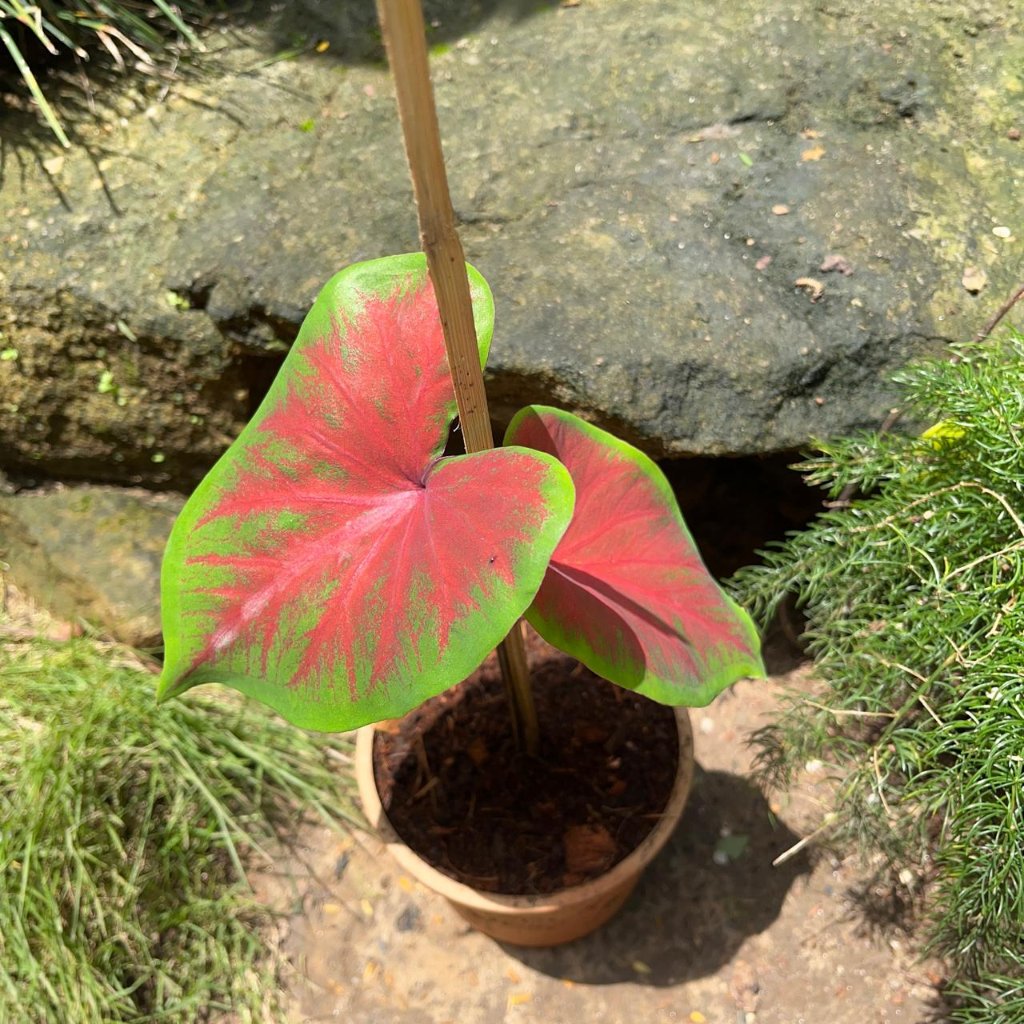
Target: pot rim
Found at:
459, 892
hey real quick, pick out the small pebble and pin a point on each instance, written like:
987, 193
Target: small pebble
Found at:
409, 920
340, 865
974, 279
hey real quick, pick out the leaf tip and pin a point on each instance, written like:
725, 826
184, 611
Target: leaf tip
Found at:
169, 686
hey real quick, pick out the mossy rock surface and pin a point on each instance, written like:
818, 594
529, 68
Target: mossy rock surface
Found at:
643, 185
91, 555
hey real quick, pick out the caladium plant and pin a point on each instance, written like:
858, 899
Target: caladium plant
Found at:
337, 566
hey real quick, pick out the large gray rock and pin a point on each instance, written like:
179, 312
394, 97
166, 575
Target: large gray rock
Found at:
643, 185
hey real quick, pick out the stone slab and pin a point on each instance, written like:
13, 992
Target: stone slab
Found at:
91, 555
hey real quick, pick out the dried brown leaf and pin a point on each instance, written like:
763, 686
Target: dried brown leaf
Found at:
834, 263
588, 849
812, 286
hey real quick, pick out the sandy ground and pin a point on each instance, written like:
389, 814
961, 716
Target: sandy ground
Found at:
714, 933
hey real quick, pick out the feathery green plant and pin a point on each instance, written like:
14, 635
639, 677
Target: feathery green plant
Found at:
124, 828
915, 619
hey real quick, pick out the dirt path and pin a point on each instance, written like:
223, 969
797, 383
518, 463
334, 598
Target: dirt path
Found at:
713, 934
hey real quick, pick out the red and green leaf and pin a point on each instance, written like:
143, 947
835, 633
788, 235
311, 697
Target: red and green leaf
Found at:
626, 591
333, 564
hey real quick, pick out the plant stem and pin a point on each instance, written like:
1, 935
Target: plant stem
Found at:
405, 39
999, 314
516, 674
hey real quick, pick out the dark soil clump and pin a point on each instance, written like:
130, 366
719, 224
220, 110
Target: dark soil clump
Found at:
467, 801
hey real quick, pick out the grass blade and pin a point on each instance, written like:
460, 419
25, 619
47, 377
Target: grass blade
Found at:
37, 93
175, 19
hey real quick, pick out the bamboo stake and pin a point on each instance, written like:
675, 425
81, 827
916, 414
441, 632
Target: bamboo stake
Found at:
405, 39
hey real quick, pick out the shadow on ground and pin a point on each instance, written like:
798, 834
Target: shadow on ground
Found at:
350, 26
710, 889
98, 90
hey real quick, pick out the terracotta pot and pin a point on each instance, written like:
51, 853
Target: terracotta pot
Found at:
544, 920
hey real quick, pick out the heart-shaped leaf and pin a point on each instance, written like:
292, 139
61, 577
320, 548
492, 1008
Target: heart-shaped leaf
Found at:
626, 591
332, 564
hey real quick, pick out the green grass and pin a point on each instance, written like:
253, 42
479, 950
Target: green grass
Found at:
915, 618
127, 33
124, 829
